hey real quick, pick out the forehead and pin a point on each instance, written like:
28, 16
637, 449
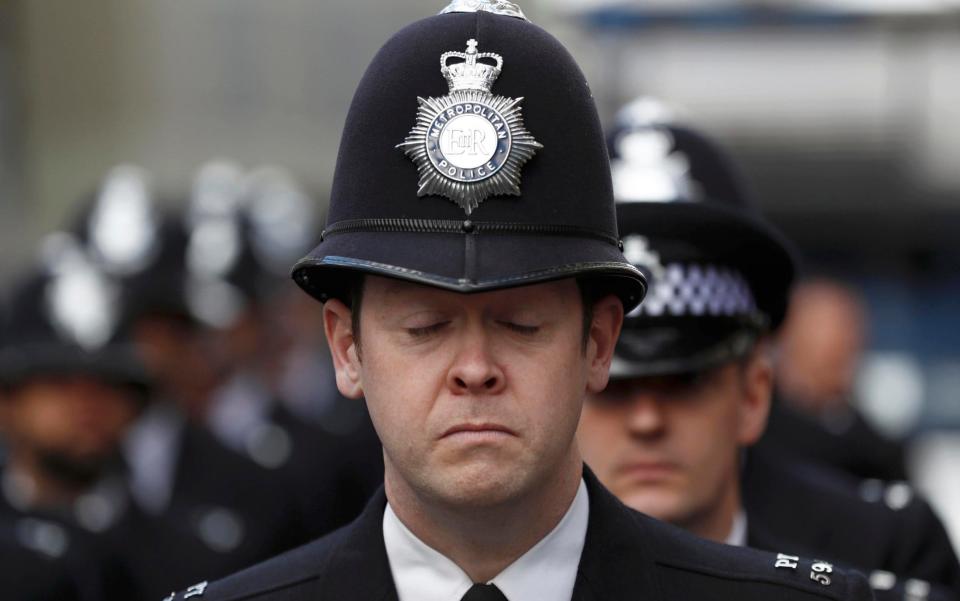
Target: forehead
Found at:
387, 293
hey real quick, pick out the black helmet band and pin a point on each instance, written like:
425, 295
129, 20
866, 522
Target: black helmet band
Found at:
467, 226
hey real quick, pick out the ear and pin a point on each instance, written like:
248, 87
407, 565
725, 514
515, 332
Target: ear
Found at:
338, 327
757, 382
602, 338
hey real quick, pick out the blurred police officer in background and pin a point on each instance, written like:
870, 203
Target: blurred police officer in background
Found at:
692, 376
474, 297
814, 419
270, 222
105, 474
72, 388
231, 491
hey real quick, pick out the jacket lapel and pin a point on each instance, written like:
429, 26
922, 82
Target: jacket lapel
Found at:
359, 569
616, 562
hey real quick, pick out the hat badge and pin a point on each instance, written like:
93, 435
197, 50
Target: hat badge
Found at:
470, 144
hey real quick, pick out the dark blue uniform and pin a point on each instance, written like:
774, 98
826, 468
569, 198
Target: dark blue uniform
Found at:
798, 512
855, 448
627, 555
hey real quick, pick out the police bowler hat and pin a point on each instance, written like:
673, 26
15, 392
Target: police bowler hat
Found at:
472, 159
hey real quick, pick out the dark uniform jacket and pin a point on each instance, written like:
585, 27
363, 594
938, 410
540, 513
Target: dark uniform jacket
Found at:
626, 555
332, 476
852, 447
225, 513
330, 469
46, 555
29, 575
788, 511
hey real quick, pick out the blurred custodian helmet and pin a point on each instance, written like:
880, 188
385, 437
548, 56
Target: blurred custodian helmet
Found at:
65, 318
721, 274
472, 159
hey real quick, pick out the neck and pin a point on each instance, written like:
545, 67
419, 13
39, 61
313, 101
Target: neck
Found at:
717, 523
483, 541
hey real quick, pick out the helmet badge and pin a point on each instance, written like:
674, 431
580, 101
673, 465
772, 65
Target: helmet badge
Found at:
470, 144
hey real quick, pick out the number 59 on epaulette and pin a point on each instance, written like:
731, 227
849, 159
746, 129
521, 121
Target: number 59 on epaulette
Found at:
819, 572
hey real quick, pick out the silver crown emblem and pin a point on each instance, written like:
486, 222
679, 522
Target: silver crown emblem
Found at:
470, 74
470, 144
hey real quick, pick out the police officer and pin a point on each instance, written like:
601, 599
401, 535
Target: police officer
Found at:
814, 417
71, 389
473, 297
29, 572
692, 374
247, 411
220, 509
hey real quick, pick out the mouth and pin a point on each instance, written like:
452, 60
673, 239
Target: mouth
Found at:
648, 470
479, 431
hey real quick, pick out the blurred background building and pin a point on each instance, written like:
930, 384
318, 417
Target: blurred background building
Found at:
843, 114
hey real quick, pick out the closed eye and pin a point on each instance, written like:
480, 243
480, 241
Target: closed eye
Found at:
425, 331
520, 328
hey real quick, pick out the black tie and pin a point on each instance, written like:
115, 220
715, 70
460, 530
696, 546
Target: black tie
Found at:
484, 592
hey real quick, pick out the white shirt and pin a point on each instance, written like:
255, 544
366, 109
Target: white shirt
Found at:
738, 532
151, 450
547, 571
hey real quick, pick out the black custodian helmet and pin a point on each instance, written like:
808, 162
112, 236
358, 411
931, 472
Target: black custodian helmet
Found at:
65, 318
721, 274
472, 159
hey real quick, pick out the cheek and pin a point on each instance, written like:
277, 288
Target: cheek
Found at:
708, 437
116, 414
44, 420
400, 390
599, 434
559, 366
550, 389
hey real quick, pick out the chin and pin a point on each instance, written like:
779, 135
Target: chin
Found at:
660, 504
481, 484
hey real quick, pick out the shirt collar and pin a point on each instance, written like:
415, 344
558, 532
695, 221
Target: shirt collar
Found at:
738, 531
547, 571
151, 450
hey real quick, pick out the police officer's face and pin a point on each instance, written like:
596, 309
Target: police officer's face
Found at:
668, 445
476, 397
76, 416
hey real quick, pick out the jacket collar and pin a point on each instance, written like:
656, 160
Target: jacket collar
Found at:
615, 556
362, 553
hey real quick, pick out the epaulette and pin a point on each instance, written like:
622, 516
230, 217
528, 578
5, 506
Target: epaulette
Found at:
803, 574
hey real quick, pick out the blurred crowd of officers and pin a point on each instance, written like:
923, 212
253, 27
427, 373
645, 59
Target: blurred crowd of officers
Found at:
168, 407
169, 415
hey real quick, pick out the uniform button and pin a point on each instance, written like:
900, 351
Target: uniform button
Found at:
221, 529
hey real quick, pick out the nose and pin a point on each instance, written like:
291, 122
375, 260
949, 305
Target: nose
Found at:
475, 369
646, 418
